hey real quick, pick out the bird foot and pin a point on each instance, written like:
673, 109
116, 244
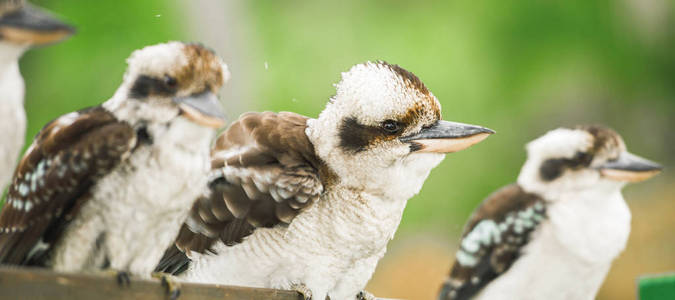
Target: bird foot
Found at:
303, 290
364, 295
170, 283
123, 278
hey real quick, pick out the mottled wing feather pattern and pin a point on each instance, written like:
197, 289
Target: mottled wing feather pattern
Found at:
211, 220
492, 240
53, 179
264, 172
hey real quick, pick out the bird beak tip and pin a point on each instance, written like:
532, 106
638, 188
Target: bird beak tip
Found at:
451, 145
32, 26
629, 176
630, 168
200, 118
203, 109
449, 137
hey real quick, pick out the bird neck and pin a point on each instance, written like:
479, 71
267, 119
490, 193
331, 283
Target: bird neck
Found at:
592, 224
12, 115
11, 82
10, 53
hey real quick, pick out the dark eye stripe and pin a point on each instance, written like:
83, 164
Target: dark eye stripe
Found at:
145, 86
356, 137
553, 168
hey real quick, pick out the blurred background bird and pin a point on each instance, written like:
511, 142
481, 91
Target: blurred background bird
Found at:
108, 187
22, 26
520, 66
555, 233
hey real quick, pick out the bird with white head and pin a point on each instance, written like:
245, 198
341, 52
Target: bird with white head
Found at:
22, 26
110, 185
555, 233
311, 204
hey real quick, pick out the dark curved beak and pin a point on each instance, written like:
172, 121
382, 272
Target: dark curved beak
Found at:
447, 137
32, 26
630, 167
203, 108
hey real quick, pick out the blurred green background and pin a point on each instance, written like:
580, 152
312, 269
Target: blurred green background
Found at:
520, 67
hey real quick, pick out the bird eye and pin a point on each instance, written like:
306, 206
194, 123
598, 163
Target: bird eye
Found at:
170, 81
583, 158
391, 126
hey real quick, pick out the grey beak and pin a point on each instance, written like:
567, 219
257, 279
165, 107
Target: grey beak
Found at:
205, 103
631, 162
629, 168
31, 25
447, 130
447, 137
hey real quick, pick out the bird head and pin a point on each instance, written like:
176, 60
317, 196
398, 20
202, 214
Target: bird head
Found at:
171, 80
23, 25
582, 158
384, 125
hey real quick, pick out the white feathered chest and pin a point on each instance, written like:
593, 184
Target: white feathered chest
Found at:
332, 247
135, 212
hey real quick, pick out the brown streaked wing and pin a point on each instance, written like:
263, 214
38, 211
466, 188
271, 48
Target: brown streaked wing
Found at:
265, 172
511, 215
53, 179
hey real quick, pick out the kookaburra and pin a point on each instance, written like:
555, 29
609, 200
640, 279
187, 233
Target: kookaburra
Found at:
108, 187
555, 233
22, 26
310, 204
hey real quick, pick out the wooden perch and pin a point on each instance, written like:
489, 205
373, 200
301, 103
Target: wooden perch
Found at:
39, 284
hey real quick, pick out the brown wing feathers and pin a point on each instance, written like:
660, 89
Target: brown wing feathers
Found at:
506, 218
53, 178
264, 173
276, 168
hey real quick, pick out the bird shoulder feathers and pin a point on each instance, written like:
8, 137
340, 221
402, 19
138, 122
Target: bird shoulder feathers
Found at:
53, 179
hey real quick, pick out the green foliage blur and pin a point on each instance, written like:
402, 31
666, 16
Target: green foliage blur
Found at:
519, 67
87, 69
